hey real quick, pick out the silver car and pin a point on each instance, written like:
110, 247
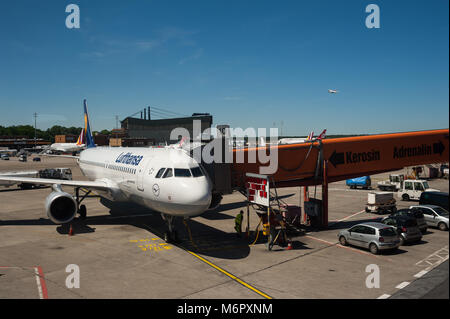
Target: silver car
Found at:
374, 236
435, 216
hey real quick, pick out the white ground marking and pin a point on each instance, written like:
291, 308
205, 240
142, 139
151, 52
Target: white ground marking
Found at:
38, 281
435, 259
420, 273
345, 218
385, 296
402, 285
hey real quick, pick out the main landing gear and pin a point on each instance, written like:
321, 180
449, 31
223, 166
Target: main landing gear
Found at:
82, 211
171, 234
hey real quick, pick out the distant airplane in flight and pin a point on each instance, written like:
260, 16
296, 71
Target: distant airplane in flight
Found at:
332, 91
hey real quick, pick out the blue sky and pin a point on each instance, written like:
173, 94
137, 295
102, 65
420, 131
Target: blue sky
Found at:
248, 63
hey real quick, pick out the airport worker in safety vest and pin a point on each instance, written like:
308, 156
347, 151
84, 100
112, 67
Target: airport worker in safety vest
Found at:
238, 223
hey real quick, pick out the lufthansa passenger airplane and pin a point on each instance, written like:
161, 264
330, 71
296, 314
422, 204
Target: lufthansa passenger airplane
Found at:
167, 180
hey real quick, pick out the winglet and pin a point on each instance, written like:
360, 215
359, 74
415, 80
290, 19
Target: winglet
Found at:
87, 128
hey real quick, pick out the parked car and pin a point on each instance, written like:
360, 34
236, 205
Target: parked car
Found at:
417, 214
406, 228
374, 236
434, 215
5, 157
434, 198
36, 159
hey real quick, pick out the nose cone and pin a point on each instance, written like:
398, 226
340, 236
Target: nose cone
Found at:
195, 195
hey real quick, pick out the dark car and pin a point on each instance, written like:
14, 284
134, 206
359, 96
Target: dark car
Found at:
434, 198
414, 213
36, 159
406, 227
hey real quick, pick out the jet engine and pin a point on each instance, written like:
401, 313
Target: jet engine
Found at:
61, 207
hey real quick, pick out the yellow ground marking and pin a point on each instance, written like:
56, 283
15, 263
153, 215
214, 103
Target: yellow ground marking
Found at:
230, 275
149, 247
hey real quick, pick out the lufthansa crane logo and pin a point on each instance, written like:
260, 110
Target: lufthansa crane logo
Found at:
155, 189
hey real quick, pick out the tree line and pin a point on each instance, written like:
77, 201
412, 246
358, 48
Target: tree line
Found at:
48, 135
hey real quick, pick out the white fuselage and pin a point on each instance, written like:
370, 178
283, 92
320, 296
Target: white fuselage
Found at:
292, 140
132, 175
67, 147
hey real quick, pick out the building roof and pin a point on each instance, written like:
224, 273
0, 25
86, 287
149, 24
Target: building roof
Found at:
173, 121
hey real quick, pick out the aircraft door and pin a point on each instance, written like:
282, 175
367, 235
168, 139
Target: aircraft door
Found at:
141, 173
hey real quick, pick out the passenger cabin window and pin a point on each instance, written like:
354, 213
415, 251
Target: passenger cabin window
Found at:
409, 186
402, 213
160, 172
182, 172
410, 223
356, 229
390, 222
168, 173
418, 187
196, 172
203, 170
387, 232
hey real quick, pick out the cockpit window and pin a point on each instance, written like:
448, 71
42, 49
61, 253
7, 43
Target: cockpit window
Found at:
182, 172
160, 172
196, 172
203, 170
168, 173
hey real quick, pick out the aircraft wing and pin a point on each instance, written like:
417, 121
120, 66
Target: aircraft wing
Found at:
99, 185
55, 155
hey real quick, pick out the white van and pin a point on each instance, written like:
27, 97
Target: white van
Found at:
413, 188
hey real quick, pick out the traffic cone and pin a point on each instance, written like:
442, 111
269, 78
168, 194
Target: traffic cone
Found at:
289, 246
71, 230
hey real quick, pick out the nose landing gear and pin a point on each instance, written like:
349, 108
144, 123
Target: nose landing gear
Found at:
171, 234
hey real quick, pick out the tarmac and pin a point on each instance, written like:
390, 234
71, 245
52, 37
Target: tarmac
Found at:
119, 252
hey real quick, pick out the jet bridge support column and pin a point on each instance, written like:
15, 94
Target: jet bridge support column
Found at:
305, 199
325, 195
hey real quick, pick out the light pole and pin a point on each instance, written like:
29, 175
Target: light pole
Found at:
35, 116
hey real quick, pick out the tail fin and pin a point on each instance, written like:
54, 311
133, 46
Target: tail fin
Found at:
87, 128
310, 136
322, 135
81, 139
262, 141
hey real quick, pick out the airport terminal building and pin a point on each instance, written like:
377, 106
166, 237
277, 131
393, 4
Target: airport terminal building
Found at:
142, 132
